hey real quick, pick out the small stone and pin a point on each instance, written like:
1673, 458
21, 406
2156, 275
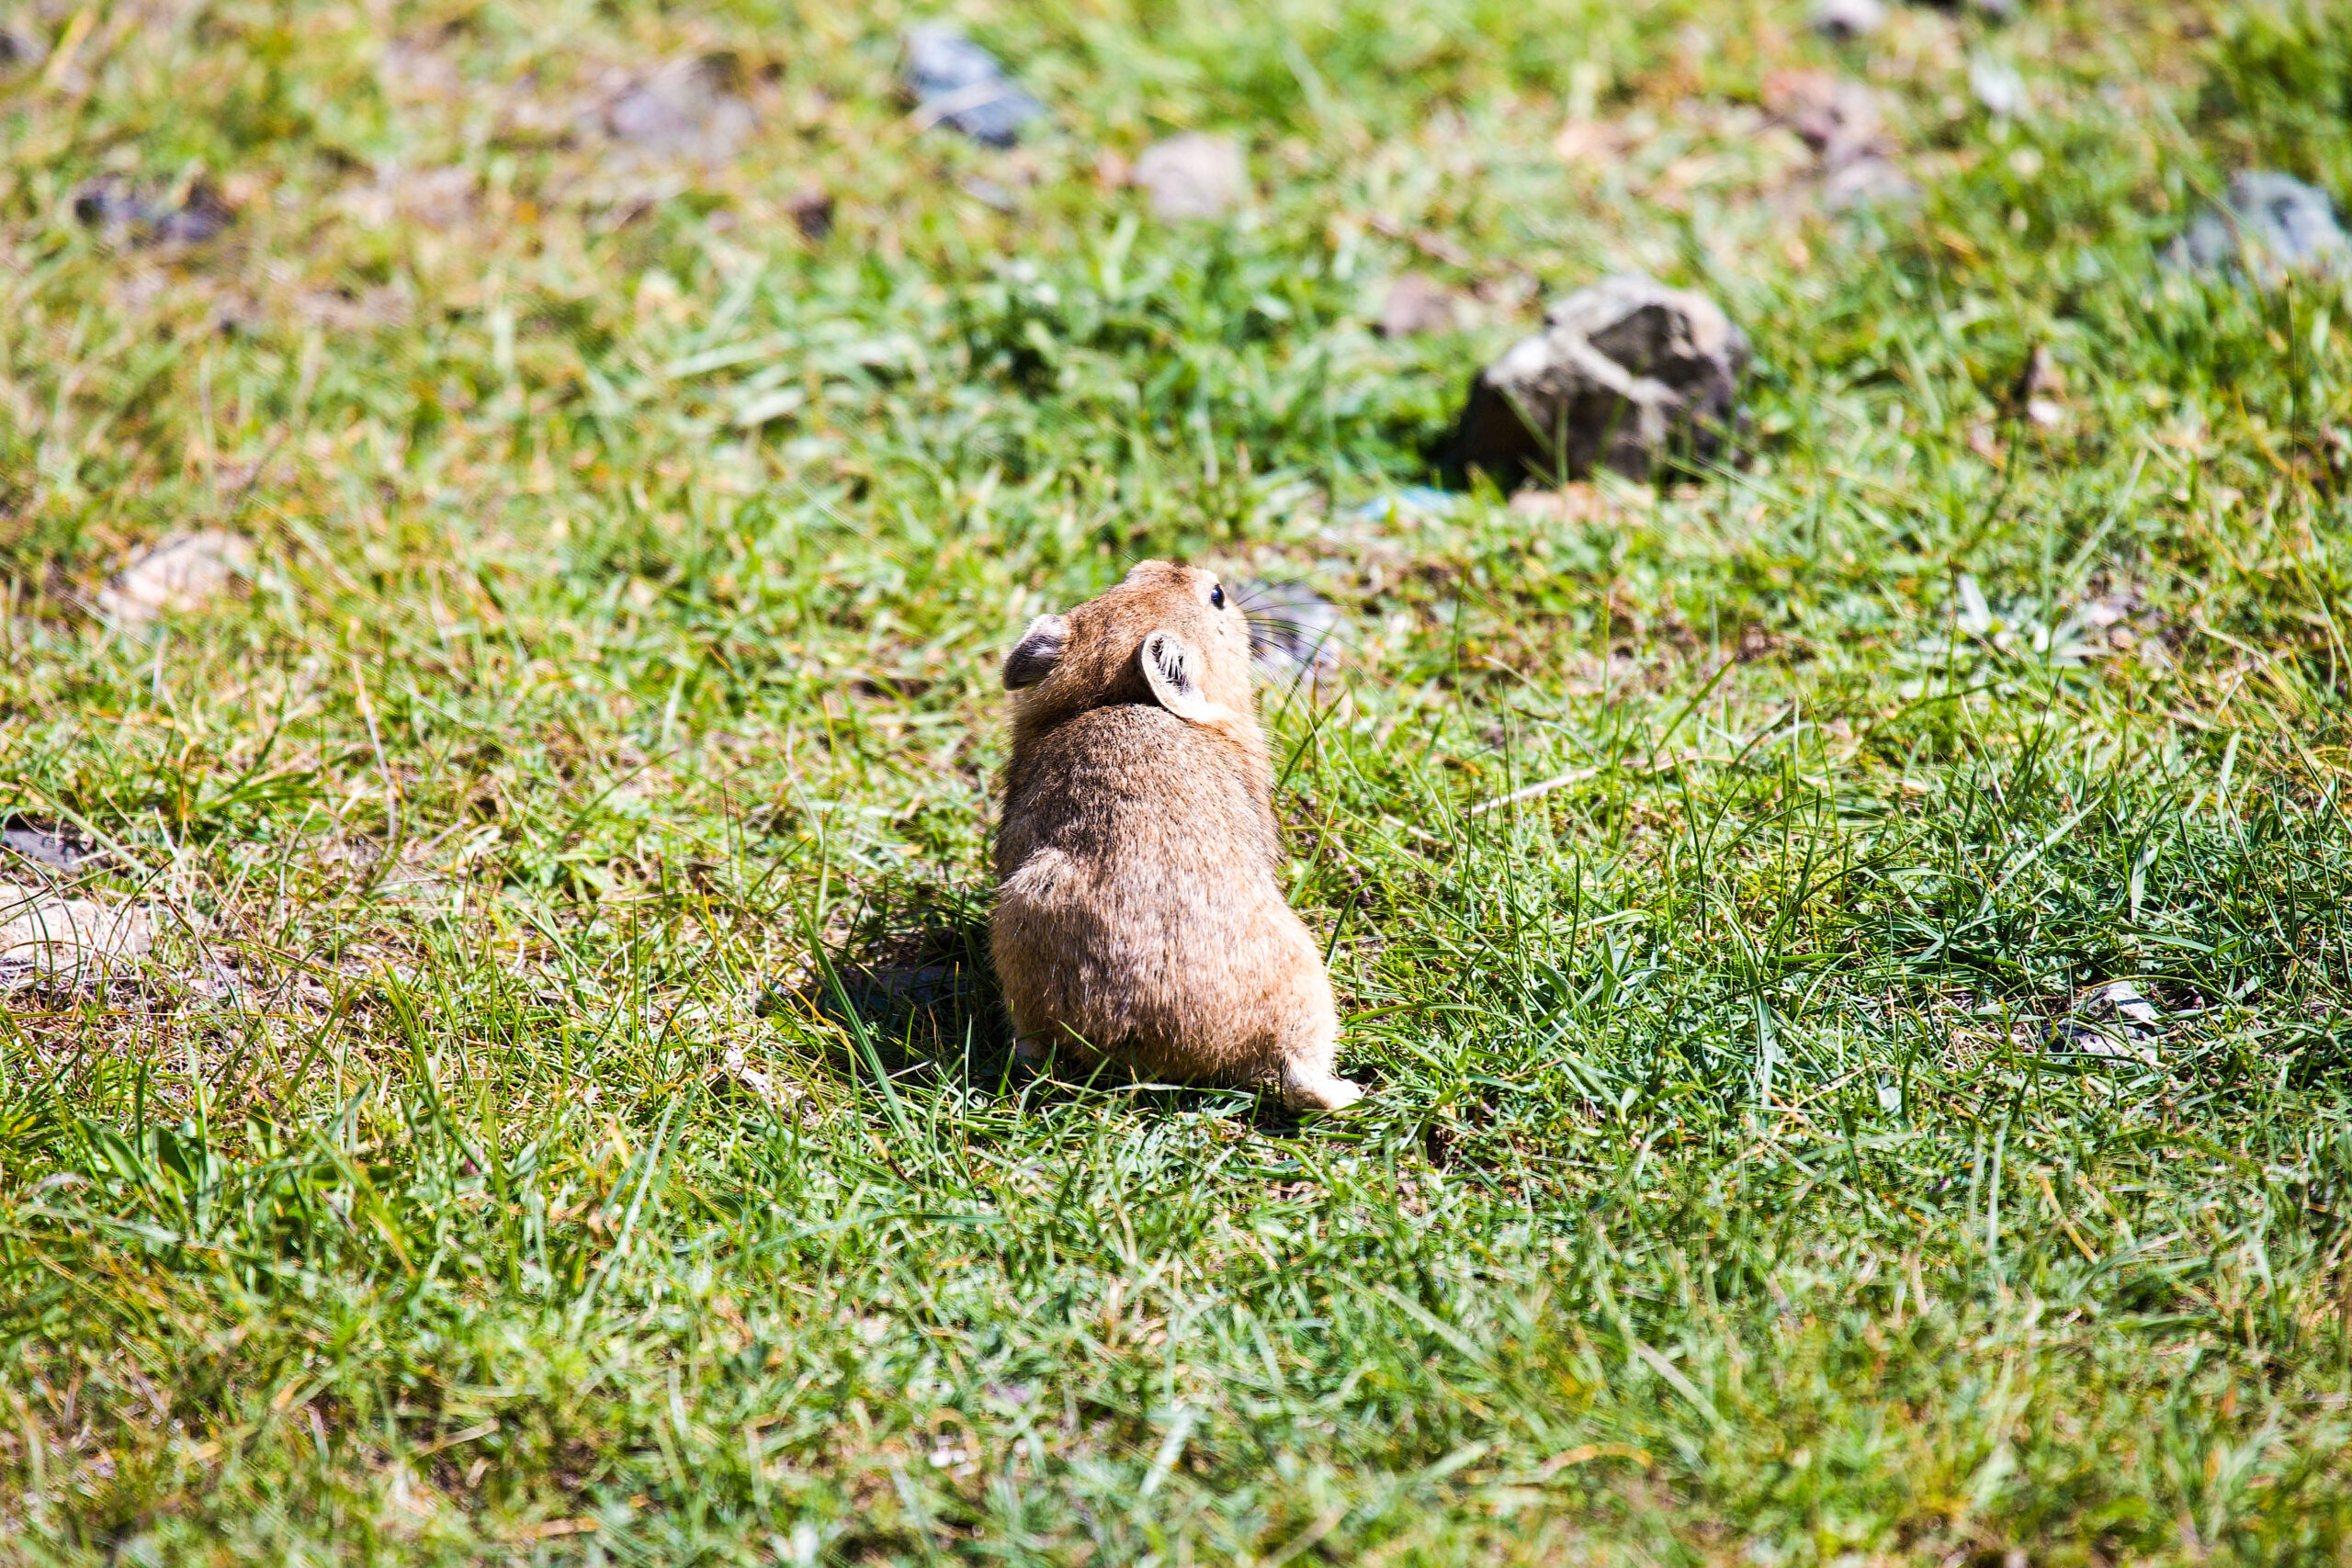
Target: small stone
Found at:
110, 201
1841, 121
2121, 1001
1838, 117
54, 935
116, 206
1294, 631
812, 212
182, 574
1417, 304
46, 847
893, 995
17, 49
2271, 222
1193, 176
1628, 374
2110, 1020
2038, 377
204, 216
1848, 18
957, 84
1998, 86
684, 110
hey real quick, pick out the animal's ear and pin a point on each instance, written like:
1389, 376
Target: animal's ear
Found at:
1034, 657
1172, 670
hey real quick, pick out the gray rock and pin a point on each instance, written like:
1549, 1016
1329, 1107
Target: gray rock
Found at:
1838, 117
1842, 121
684, 110
2110, 1020
812, 212
1294, 631
1628, 373
1991, 10
1193, 176
19, 49
1848, 18
118, 208
2272, 223
50, 848
956, 83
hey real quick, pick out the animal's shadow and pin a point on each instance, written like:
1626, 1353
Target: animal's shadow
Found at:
910, 988
913, 994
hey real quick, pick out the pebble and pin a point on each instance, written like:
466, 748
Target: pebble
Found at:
2112, 1020
45, 846
2273, 222
1193, 176
812, 212
181, 574
19, 49
1842, 121
116, 206
957, 84
681, 111
1838, 117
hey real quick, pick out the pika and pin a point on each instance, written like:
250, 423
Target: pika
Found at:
1137, 915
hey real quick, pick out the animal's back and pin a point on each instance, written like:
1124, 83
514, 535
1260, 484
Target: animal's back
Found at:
1137, 904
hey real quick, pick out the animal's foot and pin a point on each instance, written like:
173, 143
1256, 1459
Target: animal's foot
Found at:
1327, 1092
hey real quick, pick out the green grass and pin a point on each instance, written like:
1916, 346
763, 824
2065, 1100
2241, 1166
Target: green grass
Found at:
609, 1150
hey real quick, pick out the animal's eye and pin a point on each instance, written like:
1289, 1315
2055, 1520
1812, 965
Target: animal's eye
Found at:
1216, 595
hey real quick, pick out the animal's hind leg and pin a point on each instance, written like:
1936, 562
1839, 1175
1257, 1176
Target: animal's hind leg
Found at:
1308, 1080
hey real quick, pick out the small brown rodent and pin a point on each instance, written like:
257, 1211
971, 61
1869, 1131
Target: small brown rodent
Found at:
1137, 913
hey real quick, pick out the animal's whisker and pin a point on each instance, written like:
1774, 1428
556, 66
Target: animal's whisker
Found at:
1309, 628
1247, 593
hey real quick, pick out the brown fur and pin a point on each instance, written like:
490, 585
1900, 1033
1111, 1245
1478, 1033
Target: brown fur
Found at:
1138, 911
